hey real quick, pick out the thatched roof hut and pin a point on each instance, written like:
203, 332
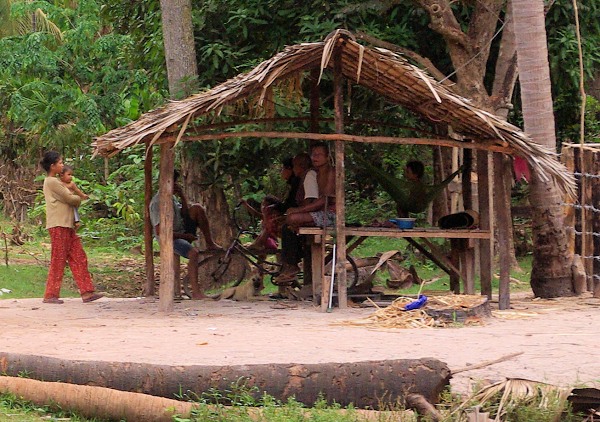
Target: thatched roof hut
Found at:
377, 69
214, 114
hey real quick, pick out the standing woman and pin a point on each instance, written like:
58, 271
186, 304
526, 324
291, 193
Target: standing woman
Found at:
65, 244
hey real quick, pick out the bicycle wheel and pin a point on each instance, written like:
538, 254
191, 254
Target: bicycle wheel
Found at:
266, 263
218, 270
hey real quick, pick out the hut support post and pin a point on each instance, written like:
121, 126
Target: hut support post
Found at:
167, 277
503, 224
467, 183
314, 101
313, 276
486, 217
340, 197
148, 249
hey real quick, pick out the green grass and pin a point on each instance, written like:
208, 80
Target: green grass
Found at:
240, 404
436, 279
24, 269
14, 409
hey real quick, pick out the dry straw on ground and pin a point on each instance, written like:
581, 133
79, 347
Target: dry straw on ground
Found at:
395, 316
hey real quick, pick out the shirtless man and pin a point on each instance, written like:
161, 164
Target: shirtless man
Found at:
319, 210
314, 212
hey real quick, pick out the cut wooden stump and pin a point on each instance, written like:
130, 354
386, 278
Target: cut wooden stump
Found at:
458, 308
367, 384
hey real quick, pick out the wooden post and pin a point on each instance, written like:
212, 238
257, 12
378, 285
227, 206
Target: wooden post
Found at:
568, 159
340, 197
309, 271
486, 251
467, 185
149, 289
314, 101
587, 215
593, 282
316, 256
167, 277
502, 225
467, 257
455, 261
584, 201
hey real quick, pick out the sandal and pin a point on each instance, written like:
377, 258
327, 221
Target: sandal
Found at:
54, 300
93, 297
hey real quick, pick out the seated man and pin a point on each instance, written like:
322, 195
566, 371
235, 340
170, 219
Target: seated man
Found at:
186, 220
410, 193
317, 209
413, 174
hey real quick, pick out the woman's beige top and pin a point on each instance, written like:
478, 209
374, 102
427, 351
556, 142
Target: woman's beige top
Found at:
59, 204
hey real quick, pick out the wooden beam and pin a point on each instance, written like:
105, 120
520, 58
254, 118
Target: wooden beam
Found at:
467, 184
479, 145
314, 100
167, 276
503, 224
149, 289
205, 128
340, 197
485, 198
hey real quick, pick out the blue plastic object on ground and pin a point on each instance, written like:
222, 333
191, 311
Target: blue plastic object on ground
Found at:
416, 304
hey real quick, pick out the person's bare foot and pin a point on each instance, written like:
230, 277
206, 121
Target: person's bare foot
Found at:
214, 247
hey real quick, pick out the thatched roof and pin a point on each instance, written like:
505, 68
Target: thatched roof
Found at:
380, 70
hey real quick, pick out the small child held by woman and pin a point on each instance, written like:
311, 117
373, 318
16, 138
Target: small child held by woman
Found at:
66, 177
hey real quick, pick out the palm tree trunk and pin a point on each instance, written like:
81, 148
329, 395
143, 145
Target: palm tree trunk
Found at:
551, 272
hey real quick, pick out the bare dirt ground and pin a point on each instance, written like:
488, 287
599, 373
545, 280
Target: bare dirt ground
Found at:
557, 339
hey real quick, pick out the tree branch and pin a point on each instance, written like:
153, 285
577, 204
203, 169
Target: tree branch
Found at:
444, 22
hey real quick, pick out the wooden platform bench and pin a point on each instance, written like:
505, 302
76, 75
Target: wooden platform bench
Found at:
459, 265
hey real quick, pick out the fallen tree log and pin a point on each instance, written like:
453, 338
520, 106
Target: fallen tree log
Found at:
109, 404
96, 402
364, 384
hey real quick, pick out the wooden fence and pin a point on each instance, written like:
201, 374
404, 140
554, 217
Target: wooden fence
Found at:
583, 216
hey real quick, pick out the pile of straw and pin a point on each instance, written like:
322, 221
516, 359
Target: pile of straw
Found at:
395, 316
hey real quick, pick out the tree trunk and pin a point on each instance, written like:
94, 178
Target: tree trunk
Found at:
211, 197
370, 384
505, 79
180, 56
551, 271
469, 51
180, 52
182, 69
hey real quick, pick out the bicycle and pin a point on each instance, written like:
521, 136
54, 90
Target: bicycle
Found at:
230, 266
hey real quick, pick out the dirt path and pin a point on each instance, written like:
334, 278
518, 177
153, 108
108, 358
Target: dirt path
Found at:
557, 338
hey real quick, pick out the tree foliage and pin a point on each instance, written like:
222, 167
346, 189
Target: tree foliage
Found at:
95, 65
60, 92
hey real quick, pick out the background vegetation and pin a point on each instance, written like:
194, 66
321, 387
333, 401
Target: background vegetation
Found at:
81, 68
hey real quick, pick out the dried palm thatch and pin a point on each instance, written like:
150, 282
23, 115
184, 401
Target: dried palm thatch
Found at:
517, 392
382, 71
395, 316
